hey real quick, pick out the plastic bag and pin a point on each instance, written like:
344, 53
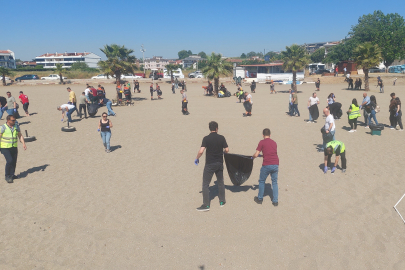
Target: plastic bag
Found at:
239, 168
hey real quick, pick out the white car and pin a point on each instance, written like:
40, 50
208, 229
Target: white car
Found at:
102, 76
7, 78
52, 77
130, 76
176, 74
196, 74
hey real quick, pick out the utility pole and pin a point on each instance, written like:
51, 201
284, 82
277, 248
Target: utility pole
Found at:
143, 58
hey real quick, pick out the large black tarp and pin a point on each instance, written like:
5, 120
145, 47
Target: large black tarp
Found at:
314, 111
239, 168
92, 109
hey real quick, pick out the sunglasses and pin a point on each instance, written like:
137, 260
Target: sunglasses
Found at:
104, 115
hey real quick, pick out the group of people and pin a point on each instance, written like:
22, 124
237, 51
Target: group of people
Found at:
215, 146
11, 106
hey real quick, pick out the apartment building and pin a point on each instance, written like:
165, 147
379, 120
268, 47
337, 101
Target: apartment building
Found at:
7, 59
49, 60
156, 62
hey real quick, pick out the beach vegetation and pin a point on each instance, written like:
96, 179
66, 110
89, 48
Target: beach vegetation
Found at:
366, 56
216, 67
295, 59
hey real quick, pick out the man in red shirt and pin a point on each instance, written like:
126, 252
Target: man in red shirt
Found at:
270, 166
25, 102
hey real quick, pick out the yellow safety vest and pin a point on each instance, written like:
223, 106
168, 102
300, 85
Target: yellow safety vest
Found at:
335, 145
9, 139
355, 112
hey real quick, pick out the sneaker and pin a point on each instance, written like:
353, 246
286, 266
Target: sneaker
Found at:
275, 203
244, 115
203, 208
107, 151
400, 130
15, 177
366, 127
355, 130
221, 204
309, 122
351, 131
9, 180
391, 127
256, 199
344, 170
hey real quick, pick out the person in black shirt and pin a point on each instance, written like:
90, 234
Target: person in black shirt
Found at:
214, 163
3, 102
253, 87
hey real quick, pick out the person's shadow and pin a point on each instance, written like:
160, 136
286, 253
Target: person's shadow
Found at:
319, 147
115, 147
32, 170
268, 191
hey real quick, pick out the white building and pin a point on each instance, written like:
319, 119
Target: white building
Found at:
7, 59
49, 60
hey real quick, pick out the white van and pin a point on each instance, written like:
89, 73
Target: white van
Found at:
176, 74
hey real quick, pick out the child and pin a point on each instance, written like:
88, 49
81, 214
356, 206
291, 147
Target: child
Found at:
184, 103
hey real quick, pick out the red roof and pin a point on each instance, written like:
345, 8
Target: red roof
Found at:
263, 65
233, 60
4, 51
63, 54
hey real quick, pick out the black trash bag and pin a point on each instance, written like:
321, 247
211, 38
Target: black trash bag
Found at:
376, 127
239, 168
92, 110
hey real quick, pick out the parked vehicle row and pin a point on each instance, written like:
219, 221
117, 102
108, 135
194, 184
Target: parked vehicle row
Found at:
52, 77
123, 76
27, 77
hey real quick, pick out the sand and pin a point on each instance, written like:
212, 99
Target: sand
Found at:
77, 207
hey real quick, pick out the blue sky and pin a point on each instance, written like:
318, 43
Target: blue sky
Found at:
31, 28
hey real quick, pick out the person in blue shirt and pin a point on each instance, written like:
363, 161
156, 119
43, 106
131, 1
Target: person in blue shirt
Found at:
365, 105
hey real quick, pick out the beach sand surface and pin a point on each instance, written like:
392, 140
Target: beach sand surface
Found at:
77, 207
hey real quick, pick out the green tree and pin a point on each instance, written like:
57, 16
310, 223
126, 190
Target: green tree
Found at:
202, 64
202, 55
215, 68
79, 66
5, 72
184, 54
170, 68
250, 54
243, 56
386, 31
367, 55
295, 59
318, 55
60, 70
341, 52
119, 61
273, 56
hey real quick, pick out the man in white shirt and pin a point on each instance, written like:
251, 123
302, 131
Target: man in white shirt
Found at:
86, 92
67, 109
248, 104
314, 100
329, 126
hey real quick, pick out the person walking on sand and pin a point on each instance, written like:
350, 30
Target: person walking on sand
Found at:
366, 108
158, 91
9, 135
337, 148
272, 90
214, 163
108, 104
248, 104
381, 85
11, 104
3, 106
354, 113
83, 101
270, 166
104, 126
313, 108
25, 102
328, 133
253, 87
294, 101
395, 80
72, 99
151, 91
173, 90
318, 84
67, 109
184, 103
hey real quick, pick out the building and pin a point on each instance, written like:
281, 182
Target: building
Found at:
191, 60
7, 59
311, 47
266, 72
27, 64
156, 62
49, 60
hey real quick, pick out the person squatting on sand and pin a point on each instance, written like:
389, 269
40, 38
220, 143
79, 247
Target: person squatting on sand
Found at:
353, 113
184, 103
104, 126
337, 148
9, 135
67, 109
270, 166
248, 104
214, 163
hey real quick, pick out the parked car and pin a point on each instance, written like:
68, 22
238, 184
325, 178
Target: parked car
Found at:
140, 74
7, 78
27, 77
53, 77
102, 76
176, 74
130, 76
376, 70
321, 71
155, 74
196, 74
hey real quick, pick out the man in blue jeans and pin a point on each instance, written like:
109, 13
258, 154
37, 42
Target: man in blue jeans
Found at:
270, 166
108, 104
67, 109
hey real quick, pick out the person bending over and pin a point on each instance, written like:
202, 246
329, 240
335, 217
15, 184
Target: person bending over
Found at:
337, 148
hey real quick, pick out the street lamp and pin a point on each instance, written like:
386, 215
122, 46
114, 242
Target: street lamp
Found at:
143, 58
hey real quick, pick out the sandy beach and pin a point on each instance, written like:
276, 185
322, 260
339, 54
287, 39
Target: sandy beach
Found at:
77, 207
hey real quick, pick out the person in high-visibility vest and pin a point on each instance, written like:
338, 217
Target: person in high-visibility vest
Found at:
9, 134
354, 113
337, 148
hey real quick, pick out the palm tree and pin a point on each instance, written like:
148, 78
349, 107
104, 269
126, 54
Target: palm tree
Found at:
367, 55
215, 68
59, 70
170, 68
5, 72
295, 59
119, 61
